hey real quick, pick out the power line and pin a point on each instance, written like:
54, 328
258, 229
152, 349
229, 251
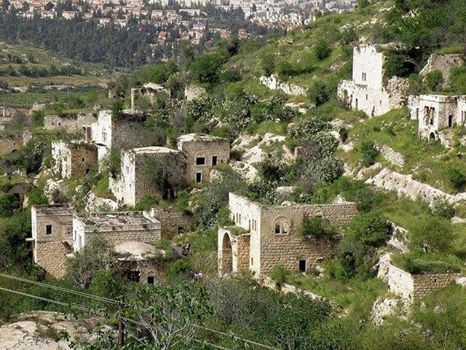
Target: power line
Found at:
57, 302
113, 301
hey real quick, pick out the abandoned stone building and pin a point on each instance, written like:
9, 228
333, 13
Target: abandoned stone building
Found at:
116, 228
368, 91
73, 158
52, 238
172, 222
137, 178
126, 131
10, 142
442, 63
70, 123
436, 114
265, 236
149, 90
202, 153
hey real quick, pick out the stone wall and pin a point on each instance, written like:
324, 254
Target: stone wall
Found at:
243, 247
203, 146
52, 257
10, 142
69, 123
391, 155
442, 63
172, 222
414, 287
74, 158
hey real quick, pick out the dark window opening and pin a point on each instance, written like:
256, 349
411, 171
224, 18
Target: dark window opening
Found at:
200, 160
87, 171
82, 159
214, 160
302, 265
277, 228
133, 276
150, 280
48, 229
450, 121
180, 229
198, 177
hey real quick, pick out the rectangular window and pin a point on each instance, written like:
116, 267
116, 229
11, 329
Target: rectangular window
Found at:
277, 228
302, 265
252, 261
150, 280
214, 160
48, 229
180, 229
200, 160
198, 177
364, 76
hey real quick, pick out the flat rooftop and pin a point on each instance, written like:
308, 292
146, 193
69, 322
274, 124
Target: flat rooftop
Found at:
198, 137
53, 209
127, 221
153, 150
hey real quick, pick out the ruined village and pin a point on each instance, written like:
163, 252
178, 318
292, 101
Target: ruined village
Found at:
300, 192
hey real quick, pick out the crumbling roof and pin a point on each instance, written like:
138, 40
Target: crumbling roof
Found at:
197, 138
119, 221
135, 250
54, 209
153, 150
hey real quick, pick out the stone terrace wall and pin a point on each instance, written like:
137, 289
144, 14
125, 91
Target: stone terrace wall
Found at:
425, 284
400, 282
10, 143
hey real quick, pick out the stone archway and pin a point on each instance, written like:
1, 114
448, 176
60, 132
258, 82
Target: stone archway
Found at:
432, 136
227, 255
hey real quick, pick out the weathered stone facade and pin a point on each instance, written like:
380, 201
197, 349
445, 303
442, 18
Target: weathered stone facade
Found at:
172, 222
10, 142
116, 228
73, 158
149, 90
136, 179
52, 237
202, 153
266, 236
442, 63
414, 287
125, 133
436, 113
367, 91
69, 123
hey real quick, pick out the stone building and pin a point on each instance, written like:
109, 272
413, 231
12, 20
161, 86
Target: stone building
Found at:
368, 91
149, 90
412, 287
52, 237
125, 132
137, 180
10, 142
437, 113
265, 236
442, 63
116, 228
202, 152
172, 222
70, 123
73, 158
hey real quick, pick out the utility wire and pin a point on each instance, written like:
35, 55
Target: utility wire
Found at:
113, 301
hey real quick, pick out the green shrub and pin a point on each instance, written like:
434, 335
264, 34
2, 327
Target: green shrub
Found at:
456, 178
180, 268
457, 80
371, 229
279, 274
434, 80
369, 153
9, 204
317, 227
432, 234
321, 91
443, 209
268, 64
322, 49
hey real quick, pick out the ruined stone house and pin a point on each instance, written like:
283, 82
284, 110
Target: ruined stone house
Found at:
11, 142
58, 232
172, 222
137, 179
71, 123
265, 236
437, 113
149, 90
124, 132
368, 91
202, 153
442, 63
52, 239
73, 158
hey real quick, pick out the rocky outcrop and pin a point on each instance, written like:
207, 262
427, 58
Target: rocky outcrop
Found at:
385, 307
442, 63
404, 185
256, 154
96, 204
273, 83
391, 155
55, 191
247, 171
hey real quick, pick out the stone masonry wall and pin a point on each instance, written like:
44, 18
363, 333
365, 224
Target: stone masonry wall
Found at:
287, 249
425, 284
10, 143
120, 236
83, 158
52, 257
172, 221
70, 123
207, 149
243, 247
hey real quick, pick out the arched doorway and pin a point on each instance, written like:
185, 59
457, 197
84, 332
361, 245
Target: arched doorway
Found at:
432, 136
227, 255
